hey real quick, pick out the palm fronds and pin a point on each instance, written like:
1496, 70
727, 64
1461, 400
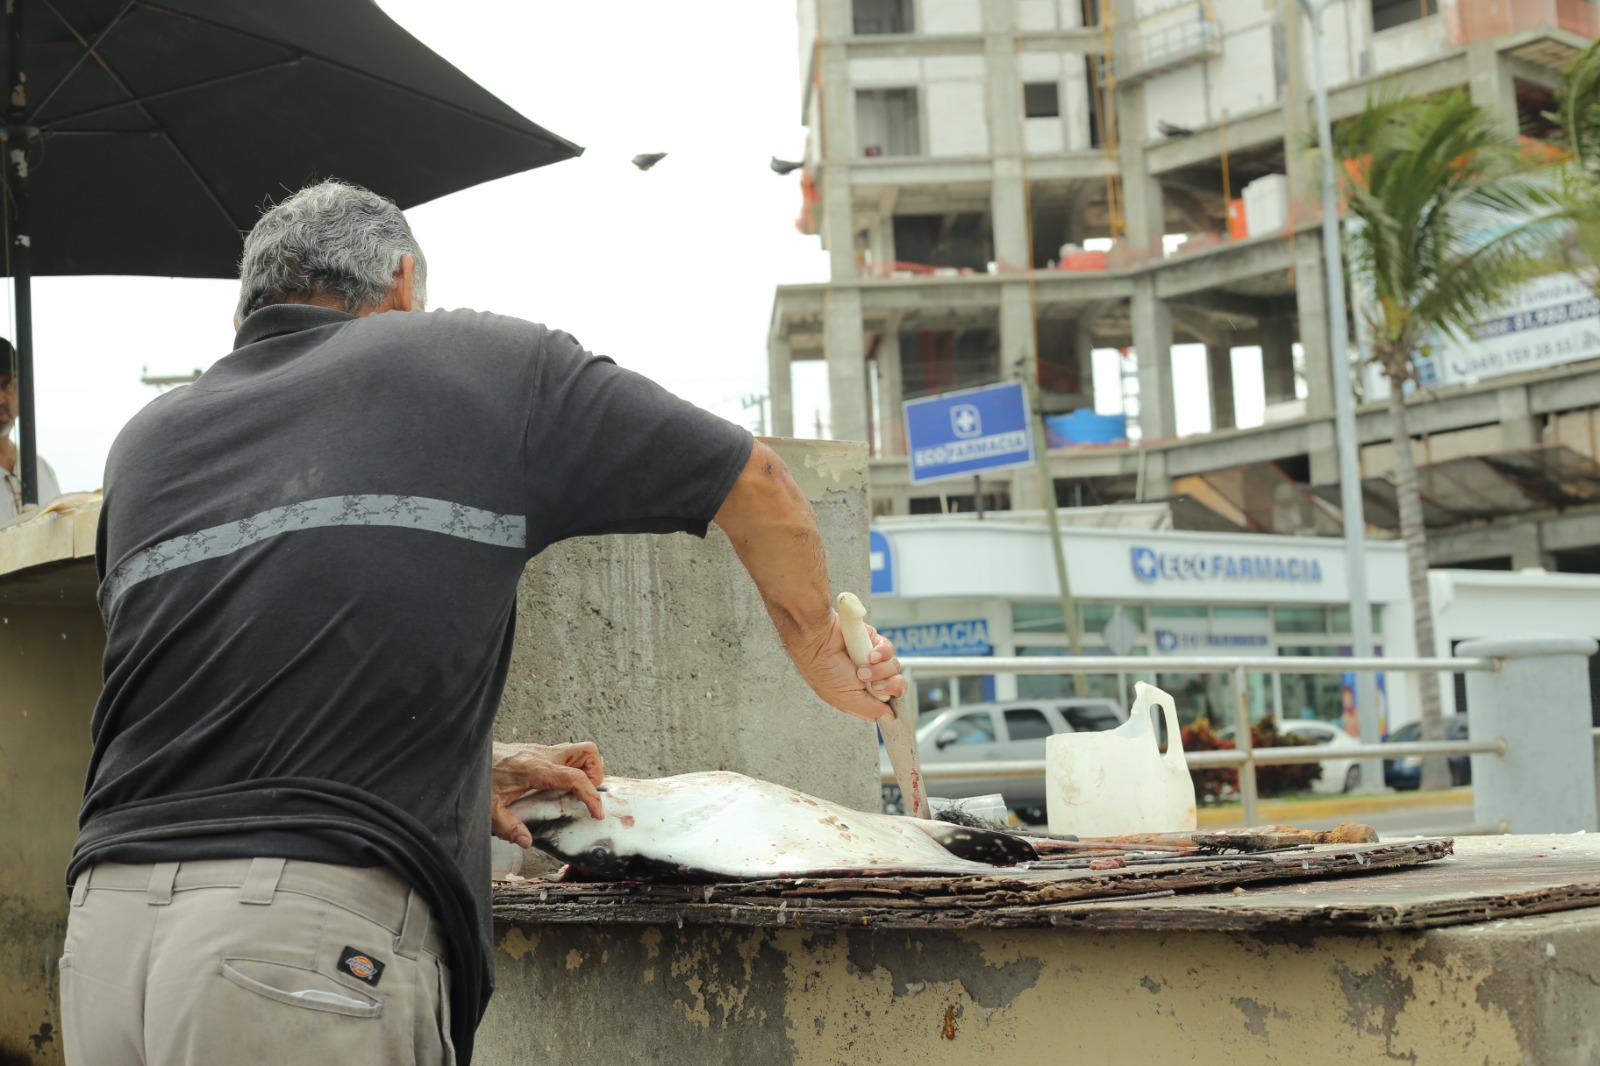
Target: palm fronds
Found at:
1448, 216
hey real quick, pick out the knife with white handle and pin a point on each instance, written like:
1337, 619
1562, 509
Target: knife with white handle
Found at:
899, 731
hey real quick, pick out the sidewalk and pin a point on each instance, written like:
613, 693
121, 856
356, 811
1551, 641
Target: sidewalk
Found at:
1298, 811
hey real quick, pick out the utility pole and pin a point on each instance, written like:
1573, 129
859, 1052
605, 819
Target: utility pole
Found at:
757, 399
1047, 488
1344, 415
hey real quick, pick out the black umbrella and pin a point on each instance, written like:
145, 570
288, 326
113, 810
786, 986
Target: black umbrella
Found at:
142, 137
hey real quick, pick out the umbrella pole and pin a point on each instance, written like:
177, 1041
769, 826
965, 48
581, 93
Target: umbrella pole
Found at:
18, 134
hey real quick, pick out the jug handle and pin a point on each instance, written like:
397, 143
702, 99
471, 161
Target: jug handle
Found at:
1138, 721
1169, 711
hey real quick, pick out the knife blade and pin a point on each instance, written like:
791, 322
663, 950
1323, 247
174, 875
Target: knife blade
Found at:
898, 730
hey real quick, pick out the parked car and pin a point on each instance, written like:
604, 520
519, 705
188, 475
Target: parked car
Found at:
1406, 773
1337, 775
1001, 732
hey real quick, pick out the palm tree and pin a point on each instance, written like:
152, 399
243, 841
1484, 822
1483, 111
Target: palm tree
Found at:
1447, 215
1578, 120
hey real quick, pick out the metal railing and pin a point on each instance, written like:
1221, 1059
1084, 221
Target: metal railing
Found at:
1245, 756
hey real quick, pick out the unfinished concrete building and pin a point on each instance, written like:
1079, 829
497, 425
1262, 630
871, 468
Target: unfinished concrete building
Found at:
1010, 184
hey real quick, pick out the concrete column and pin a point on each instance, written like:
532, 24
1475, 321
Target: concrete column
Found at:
1008, 206
1027, 494
1300, 165
1492, 85
1527, 551
1003, 638
891, 394
1146, 217
880, 243
1322, 448
1538, 701
656, 617
1519, 426
1277, 357
1219, 372
1310, 290
780, 387
1146, 222
847, 365
1004, 112
842, 336
838, 149
1152, 340
1017, 338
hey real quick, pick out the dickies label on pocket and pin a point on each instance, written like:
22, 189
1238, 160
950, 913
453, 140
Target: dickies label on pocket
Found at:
361, 965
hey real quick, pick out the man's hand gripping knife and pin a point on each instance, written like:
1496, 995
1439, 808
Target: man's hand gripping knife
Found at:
775, 534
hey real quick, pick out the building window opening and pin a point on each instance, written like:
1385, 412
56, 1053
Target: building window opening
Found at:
963, 240
887, 122
873, 17
995, 498
940, 360
1536, 108
1066, 375
1041, 99
1387, 14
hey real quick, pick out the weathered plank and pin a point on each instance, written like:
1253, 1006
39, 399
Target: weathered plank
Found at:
1005, 899
1487, 879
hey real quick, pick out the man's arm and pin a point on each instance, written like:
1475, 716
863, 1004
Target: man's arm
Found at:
775, 534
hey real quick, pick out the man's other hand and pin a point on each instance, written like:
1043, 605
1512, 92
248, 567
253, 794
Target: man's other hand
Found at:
830, 672
518, 769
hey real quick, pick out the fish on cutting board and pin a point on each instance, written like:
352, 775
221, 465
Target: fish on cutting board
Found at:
720, 825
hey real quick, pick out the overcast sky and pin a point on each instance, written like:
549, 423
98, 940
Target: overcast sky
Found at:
671, 272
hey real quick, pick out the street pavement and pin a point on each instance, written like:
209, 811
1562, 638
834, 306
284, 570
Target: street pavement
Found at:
1392, 814
1442, 820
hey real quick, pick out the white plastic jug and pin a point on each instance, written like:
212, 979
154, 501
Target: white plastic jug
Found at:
1116, 782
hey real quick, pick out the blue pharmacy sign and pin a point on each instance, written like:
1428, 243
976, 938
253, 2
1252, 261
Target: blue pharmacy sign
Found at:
880, 557
968, 637
968, 432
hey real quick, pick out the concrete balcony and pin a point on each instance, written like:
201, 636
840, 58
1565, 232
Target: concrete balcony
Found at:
885, 172
1221, 280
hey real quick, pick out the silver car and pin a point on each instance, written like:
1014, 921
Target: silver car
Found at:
1000, 732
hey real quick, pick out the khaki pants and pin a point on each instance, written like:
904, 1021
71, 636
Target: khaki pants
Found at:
260, 961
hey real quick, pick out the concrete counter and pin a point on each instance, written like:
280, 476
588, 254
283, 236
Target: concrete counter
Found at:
1447, 963
51, 642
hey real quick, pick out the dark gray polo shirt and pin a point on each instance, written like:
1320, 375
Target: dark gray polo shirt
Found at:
309, 563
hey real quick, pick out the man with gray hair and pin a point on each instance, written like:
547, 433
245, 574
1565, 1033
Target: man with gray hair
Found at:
282, 846
10, 456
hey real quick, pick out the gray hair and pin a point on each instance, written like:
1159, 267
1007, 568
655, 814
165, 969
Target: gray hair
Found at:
332, 240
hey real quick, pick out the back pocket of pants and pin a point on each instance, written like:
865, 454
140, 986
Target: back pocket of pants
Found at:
299, 987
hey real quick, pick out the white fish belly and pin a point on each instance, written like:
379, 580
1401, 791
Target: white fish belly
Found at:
726, 825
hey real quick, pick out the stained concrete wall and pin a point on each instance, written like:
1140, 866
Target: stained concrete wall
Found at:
1517, 991
51, 642
658, 648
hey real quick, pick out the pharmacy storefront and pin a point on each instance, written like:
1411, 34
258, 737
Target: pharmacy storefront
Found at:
945, 586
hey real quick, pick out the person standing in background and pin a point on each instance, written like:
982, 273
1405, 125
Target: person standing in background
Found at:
10, 454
